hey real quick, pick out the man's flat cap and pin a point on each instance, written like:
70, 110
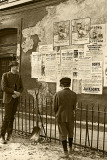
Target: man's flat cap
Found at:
13, 63
65, 80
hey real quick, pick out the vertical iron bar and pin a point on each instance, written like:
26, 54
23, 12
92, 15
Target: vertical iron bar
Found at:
92, 126
75, 125
50, 120
80, 123
36, 102
55, 128
29, 113
25, 118
42, 107
86, 128
33, 111
42, 113
46, 116
22, 113
19, 115
87, 132
98, 129
104, 131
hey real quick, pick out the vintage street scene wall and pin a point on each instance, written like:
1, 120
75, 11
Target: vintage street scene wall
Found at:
52, 40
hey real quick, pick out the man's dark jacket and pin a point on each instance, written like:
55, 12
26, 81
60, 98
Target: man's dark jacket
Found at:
9, 80
64, 105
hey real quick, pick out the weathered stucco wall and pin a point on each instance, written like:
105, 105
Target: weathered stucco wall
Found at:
37, 28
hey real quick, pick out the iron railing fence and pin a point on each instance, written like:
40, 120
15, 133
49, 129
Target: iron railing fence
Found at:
90, 129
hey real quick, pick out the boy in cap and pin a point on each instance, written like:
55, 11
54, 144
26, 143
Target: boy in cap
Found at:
64, 106
12, 87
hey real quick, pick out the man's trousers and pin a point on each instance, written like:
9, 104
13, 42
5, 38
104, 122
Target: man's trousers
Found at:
10, 111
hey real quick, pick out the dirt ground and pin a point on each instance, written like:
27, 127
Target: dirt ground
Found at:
20, 148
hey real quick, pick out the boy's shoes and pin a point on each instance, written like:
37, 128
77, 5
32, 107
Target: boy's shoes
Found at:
65, 155
9, 136
3, 141
70, 150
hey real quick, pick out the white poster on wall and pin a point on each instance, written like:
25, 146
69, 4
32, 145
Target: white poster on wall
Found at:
93, 85
96, 67
66, 63
77, 55
84, 67
77, 86
46, 48
43, 63
94, 50
98, 34
80, 31
61, 33
36, 65
90, 86
65, 68
50, 68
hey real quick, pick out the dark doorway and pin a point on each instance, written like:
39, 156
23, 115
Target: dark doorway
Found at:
8, 48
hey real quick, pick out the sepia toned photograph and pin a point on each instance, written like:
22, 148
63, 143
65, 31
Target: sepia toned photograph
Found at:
53, 79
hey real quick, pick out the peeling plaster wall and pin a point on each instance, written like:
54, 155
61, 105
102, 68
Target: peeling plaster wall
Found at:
37, 28
65, 11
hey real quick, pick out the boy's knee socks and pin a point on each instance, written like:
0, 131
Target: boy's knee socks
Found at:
70, 141
64, 144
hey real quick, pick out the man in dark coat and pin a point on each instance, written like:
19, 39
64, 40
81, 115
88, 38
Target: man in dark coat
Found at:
64, 106
12, 87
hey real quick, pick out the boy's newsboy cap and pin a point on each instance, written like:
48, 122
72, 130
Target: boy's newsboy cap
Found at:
13, 63
65, 81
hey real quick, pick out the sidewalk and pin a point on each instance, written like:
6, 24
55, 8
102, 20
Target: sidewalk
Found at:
52, 130
22, 149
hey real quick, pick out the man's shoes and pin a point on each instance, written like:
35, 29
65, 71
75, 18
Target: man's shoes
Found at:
3, 141
70, 150
9, 136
